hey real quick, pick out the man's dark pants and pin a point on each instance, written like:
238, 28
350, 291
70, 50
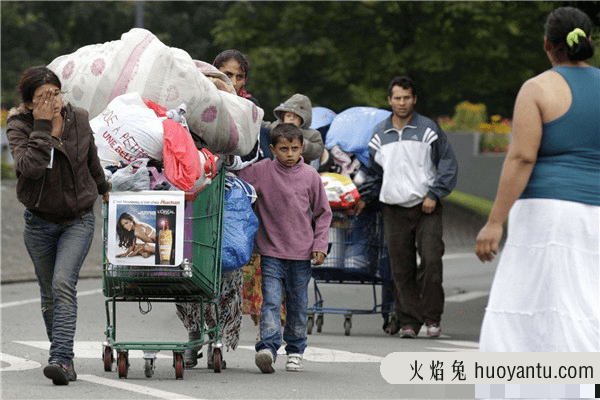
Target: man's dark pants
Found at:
418, 289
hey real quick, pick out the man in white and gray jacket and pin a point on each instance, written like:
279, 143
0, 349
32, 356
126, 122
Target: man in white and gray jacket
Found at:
411, 167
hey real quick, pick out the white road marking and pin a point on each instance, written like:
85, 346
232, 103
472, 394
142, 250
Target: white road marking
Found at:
464, 346
16, 363
462, 297
91, 349
318, 354
37, 300
464, 343
455, 349
119, 384
455, 256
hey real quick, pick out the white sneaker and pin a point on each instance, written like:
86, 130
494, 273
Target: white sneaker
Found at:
264, 361
294, 363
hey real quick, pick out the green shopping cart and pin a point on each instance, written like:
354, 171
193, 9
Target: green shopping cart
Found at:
161, 277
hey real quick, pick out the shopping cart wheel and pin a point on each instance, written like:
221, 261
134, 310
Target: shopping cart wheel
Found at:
178, 364
319, 322
217, 360
149, 367
107, 357
309, 324
122, 363
347, 325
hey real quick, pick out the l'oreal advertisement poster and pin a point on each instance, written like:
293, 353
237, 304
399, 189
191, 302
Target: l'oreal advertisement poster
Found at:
146, 228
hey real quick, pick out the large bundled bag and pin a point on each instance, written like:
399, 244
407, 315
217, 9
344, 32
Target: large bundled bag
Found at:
96, 74
353, 128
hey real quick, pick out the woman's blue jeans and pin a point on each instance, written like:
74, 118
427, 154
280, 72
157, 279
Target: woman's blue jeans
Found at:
293, 276
57, 252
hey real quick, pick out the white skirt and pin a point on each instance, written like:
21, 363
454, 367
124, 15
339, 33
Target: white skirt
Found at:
545, 293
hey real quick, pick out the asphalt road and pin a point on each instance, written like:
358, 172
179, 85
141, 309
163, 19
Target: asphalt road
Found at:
336, 366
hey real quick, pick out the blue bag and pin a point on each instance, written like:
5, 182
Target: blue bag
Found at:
353, 128
240, 224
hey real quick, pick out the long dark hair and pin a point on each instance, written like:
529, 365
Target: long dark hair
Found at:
33, 78
232, 54
563, 21
126, 238
238, 56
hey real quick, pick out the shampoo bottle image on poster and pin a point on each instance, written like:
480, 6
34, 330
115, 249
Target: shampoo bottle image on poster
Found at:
165, 243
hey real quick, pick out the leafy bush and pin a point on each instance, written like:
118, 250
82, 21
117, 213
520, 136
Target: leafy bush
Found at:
468, 116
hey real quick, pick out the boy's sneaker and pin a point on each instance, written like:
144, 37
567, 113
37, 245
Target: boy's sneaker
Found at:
294, 363
433, 330
264, 361
407, 332
58, 373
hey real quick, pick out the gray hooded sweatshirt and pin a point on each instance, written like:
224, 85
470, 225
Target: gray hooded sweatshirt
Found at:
300, 105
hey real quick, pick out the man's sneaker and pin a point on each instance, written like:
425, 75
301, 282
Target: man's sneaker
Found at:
71, 372
58, 373
294, 363
407, 332
264, 361
433, 330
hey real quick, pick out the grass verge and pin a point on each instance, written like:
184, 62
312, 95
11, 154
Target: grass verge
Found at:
470, 202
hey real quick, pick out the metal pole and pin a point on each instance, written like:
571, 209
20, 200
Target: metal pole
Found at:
139, 14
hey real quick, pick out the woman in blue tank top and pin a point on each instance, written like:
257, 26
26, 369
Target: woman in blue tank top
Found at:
545, 294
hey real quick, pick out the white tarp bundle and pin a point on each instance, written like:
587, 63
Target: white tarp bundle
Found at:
95, 74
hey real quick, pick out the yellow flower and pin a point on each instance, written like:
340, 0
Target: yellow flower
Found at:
485, 127
496, 118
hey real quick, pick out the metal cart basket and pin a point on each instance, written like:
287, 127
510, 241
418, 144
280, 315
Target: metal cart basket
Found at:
357, 255
196, 279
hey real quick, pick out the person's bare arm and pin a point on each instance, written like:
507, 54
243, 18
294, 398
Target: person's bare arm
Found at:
517, 168
140, 232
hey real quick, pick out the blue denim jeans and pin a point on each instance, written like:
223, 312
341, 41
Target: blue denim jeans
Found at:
57, 252
293, 276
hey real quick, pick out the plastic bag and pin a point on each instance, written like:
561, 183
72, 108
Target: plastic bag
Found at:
353, 128
341, 191
134, 176
240, 224
127, 130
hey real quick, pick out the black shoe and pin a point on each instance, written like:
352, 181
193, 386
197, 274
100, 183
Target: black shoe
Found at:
191, 356
71, 372
58, 373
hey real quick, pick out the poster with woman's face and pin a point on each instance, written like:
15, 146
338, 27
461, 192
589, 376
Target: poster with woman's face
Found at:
145, 228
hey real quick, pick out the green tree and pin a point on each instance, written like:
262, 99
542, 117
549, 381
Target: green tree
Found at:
35, 33
343, 54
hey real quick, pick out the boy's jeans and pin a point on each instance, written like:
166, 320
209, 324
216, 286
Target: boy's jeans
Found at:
295, 276
57, 252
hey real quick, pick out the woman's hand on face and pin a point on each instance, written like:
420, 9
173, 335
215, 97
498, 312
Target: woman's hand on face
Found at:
57, 124
43, 107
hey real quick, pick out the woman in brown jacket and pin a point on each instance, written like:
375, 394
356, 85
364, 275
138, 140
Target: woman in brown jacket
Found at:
59, 178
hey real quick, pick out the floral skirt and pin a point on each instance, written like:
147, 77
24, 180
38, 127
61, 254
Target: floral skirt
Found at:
230, 311
253, 290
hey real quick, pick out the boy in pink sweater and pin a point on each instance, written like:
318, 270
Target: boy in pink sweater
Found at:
290, 198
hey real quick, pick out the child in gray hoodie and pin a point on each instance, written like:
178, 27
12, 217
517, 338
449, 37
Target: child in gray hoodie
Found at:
297, 110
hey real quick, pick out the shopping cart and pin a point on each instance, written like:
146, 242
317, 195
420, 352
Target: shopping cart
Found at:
196, 279
357, 255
